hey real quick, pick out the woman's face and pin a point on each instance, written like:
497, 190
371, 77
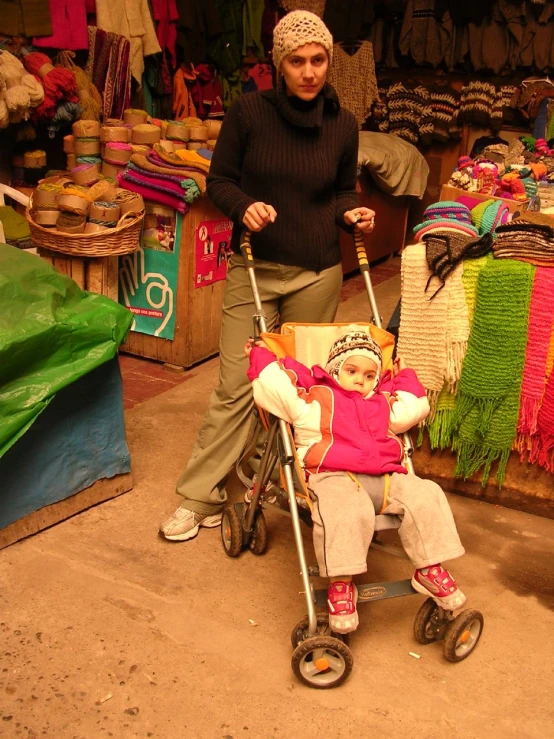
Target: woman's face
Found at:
305, 70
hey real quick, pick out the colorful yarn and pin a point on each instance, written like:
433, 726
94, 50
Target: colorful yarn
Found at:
89, 160
89, 97
59, 84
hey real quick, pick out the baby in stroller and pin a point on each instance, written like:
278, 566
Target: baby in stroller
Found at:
346, 418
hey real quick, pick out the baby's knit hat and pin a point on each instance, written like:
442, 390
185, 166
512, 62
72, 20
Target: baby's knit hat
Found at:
296, 29
353, 343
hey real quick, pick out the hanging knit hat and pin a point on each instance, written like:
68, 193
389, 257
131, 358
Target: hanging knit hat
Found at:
297, 29
353, 343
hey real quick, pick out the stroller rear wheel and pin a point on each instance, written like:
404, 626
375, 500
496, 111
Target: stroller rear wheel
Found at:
231, 532
258, 540
322, 662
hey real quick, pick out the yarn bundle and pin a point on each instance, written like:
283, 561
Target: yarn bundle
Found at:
90, 99
60, 89
20, 92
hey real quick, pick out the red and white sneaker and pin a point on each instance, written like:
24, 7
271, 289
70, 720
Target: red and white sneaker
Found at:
440, 585
341, 601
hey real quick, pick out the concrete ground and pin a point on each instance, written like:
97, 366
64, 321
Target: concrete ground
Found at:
109, 631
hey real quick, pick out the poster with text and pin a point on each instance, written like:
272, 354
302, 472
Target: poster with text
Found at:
148, 277
212, 250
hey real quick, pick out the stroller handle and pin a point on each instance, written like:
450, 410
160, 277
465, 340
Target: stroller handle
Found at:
246, 249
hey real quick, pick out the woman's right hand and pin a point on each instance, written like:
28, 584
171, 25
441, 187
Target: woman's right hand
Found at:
258, 215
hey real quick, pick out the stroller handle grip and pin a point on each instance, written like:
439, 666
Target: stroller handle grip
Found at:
246, 249
360, 250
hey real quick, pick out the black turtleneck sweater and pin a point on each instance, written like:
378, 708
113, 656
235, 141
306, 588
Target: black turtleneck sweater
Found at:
299, 157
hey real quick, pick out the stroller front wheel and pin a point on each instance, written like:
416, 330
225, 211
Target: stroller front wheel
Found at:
258, 540
231, 532
322, 662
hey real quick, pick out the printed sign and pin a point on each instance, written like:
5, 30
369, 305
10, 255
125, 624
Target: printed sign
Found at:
212, 250
148, 277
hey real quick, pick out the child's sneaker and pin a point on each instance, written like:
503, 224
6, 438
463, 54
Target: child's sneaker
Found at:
440, 585
341, 601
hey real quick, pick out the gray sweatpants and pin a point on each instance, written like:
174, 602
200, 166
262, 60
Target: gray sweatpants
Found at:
344, 520
288, 294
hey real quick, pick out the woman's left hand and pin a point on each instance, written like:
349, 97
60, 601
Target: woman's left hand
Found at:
364, 218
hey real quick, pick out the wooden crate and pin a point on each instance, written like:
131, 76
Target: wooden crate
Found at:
453, 193
97, 275
198, 311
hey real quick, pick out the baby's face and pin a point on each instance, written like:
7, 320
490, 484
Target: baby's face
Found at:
358, 375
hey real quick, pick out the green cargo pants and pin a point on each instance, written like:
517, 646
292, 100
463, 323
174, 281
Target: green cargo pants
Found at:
288, 294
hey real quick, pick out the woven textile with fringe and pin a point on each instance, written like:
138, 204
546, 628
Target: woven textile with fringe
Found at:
541, 319
542, 444
433, 333
487, 406
440, 427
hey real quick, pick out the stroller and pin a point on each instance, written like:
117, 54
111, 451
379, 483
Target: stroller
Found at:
321, 658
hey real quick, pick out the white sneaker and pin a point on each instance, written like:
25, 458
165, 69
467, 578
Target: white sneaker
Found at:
269, 496
184, 524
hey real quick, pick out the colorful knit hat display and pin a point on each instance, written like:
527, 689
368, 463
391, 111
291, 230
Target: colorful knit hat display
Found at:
490, 214
447, 214
297, 29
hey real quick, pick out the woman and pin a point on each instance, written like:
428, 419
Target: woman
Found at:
284, 168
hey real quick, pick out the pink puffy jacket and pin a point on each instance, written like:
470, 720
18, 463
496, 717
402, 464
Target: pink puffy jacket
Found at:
337, 429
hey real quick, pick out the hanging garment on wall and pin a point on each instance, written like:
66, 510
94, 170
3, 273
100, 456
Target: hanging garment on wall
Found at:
420, 36
353, 77
409, 112
108, 66
132, 19
165, 14
199, 26
262, 76
445, 102
543, 50
481, 103
513, 14
495, 50
464, 12
206, 93
349, 19
183, 105
25, 18
317, 7
69, 26
252, 13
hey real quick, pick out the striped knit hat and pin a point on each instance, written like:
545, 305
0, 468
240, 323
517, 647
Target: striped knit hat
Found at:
447, 213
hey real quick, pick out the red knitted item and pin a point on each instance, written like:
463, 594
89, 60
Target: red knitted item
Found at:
542, 451
541, 320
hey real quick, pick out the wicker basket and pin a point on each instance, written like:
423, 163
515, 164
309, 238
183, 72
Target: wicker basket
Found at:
123, 239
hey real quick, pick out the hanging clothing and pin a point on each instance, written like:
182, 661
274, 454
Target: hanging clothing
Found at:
25, 18
108, 67
420, 36
206, 93
132, 19
183, 105
349, 19
69, 26
252, 12
198, 27
165, 14
262, 75
353, 77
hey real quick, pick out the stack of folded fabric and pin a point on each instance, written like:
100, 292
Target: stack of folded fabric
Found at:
528, 238
16, 228
172, 179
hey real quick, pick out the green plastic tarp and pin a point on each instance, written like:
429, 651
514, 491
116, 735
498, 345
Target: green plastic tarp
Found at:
51, 333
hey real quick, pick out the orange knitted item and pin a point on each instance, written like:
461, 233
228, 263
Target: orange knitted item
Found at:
183, 106
539, 169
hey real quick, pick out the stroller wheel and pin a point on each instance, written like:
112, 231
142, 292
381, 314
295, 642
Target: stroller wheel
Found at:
462, 635
258, 540
300, 631
322, 662
231, 532
428, 626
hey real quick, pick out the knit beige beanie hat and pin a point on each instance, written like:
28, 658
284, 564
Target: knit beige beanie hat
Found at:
296, 29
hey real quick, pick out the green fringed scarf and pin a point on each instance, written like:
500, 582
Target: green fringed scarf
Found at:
485, 417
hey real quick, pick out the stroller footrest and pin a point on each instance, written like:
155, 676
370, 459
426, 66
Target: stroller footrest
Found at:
374, 591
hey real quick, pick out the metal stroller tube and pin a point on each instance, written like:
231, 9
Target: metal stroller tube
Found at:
260, 325
364, 268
